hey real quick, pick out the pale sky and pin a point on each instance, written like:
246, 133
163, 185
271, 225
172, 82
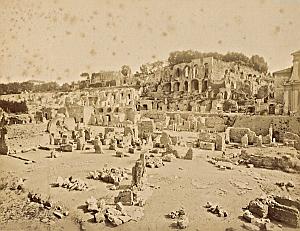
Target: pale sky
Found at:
59, 39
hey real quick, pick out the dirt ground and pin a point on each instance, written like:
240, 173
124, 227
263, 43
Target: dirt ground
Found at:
183, 183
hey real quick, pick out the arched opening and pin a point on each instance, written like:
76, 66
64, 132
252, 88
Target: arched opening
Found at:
167, 87
195, 71
113, 83
178, 72
232, 85
195, 85
116, 109
186, 71
176, 86
272, 109
186, 86
145, 107
108, 118
206, 70
276, 135
225, 95
204, 85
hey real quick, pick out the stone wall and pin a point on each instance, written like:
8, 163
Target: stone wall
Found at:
261, 124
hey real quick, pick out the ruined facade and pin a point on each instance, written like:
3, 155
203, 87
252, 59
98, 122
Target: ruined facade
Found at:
292, 88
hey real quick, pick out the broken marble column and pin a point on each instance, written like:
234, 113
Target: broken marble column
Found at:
80, 143
259, 141
98, 145
138, 174
143, 159
244, 141
51, 138
113, 145
150, 142
220, 142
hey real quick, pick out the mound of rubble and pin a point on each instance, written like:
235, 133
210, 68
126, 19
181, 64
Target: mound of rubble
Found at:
127, 207
19, 205
273, 208
109, 175
70, 183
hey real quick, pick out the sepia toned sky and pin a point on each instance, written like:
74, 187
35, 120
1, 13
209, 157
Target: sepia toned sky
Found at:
59, 39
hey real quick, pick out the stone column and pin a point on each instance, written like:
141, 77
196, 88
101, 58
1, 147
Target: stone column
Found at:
295, 100
189, 86
286, 101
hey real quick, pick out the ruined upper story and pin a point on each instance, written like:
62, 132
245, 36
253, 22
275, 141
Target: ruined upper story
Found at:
295, 77
213, 69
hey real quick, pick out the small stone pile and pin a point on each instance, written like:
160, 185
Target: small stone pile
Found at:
71, 184
216, 210
181, 217
112, 175
154, 162
58, 210
289, 184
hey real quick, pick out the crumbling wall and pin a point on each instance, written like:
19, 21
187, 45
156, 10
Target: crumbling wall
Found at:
261, 124
146, 127
236, 134
215, 122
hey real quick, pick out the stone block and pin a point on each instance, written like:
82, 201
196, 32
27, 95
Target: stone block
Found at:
99, 217
189, 154
285, 214
258, 208
125, 197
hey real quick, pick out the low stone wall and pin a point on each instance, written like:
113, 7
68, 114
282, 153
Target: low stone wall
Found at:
262, 159
286, 211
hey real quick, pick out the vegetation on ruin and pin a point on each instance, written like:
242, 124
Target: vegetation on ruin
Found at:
28, 86
256, 62
13, 107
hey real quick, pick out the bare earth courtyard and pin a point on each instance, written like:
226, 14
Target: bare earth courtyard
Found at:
149, 115
182, 183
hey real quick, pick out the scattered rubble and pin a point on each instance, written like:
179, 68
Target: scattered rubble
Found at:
71, 184
216, 210
168, 158
181, 217
289, 184
154, 162
112, 175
